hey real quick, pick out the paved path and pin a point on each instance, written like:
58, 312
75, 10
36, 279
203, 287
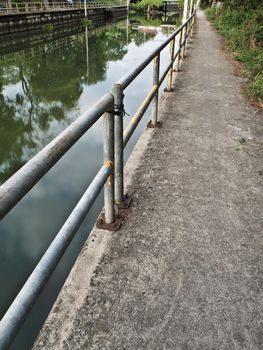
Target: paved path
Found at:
185, 272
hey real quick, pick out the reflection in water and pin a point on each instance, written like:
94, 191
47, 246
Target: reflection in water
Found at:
36, 92
43, 88
87, 49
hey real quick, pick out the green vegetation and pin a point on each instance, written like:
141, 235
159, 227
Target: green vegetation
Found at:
181, 4
147, 22
147, 4
241, 22
151, 5
205, 3
48, 27
87, 22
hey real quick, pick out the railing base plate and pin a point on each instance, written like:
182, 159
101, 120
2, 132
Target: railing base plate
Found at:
166, 90
125, 204
114, 226
154, 126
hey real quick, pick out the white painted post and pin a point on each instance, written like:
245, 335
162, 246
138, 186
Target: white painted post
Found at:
185, 11
85, 8
191, 7
183, 21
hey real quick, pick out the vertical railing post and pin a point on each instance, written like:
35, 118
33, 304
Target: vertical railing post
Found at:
191, 8
170, 73
118, 144
184, 19
108, 155
192, 29
180, 51
189, 30
185, 36
156, 70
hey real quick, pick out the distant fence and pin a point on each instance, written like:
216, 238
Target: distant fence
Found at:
37, 6
110, 176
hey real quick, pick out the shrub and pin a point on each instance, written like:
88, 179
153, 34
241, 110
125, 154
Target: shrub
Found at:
144, 4
87, 22
48, 27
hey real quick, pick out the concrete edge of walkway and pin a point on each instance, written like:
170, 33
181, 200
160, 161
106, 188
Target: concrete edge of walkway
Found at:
77, 284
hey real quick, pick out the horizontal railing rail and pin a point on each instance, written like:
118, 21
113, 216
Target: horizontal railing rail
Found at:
37, 6
110, 177
25, 178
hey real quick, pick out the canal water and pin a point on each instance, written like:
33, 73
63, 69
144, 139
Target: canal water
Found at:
44, 86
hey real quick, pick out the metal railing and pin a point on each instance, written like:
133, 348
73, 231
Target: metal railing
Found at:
37, 6
110, 176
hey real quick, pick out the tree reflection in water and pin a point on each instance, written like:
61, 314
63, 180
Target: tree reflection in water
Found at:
40, 91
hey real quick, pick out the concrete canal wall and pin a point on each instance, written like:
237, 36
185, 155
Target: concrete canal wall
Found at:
25, 22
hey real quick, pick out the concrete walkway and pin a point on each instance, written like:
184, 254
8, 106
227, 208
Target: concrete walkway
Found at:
186, 269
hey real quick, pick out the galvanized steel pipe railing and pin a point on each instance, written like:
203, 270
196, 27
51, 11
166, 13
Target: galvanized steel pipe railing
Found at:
18, 185
122, 136
156, 73
21, 182
108, 155
110, 176
119, 114
21, 306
